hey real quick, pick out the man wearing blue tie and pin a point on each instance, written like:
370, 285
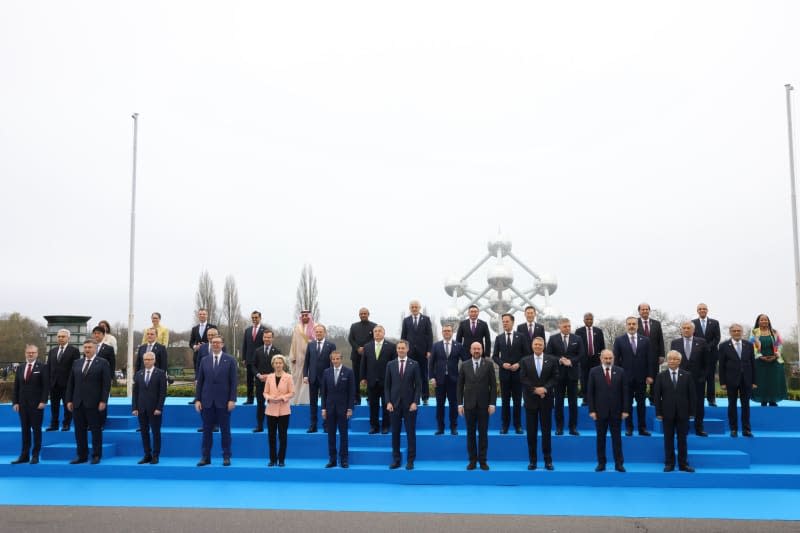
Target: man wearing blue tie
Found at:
215, 398
149, 393
338, 392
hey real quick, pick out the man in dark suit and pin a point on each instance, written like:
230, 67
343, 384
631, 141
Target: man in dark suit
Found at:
147, 404
674, 396
634, 352
107, 352
30, 396
651, 328
318, 358
59, 365
215, 398
204, 350
252, 340
737, 376
539, 377
695, 356
360, 335
607, 392
417, 330
377, 354
338, 392
509, 349
473, 329
708, 329
477, 398
568, 349
87, 397
402, 386
199, 334
445, 357
530, 328
262, 365
150, 345
594, 341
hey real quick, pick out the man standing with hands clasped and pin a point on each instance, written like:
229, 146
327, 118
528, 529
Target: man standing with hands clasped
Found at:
608, 398
674, 395
215, 398
477, 396
402, 387
338, 392
30, 396
149, 393
539, 376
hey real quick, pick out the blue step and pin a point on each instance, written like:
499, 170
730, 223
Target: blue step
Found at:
66, 451
719, 459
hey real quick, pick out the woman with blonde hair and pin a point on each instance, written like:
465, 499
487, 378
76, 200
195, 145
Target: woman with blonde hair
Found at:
278, 391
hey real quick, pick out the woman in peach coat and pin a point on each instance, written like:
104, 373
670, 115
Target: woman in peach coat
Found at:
278, 391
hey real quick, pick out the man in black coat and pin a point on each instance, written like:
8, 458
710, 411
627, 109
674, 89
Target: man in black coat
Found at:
509, 349
594, 342
150, 345
402, 391
418, 331
59, 364
149, 393
737, 377
473, 329
674, 397
634, 353
530, 329
262, 365
539, 376
252, 340
30, 396
608, 400
377, 354
567, 348
360, 335
477, 396
87, 397
708, 328
445, 358
694, 352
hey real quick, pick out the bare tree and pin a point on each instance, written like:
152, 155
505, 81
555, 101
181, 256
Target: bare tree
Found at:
231, 311
612, 328
206, 297
307, 293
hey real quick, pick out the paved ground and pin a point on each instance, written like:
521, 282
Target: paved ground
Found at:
147, 520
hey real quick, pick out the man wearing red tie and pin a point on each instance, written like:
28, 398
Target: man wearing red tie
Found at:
30, 396
595, 342
608, 401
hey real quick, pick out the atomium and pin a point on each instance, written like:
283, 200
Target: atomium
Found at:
501, 294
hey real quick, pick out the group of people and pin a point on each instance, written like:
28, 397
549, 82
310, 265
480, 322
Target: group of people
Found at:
460, 368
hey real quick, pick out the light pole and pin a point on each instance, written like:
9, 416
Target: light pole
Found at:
129, 367
789, 90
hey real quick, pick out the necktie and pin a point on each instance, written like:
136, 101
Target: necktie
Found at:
608, 376
508, 339
565, 338
739, 349
402, 367
475, 366
415, 322
687, 347
447, 349
60, 353
149, 347
28, 372
147, 378
255, 332
319, 346
674, 379
378, 351
647, 328
201, 329
216, 361
633, 344
86, 366
336, 376
473, 328
538, 366
590, 343
530, 331
703, 323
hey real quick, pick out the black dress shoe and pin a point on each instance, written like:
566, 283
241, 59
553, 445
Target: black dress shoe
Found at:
394, 465
312, 429
686, 468
199, 430
19, 460
454, 431
52, 428
248, 402
385, 431
145, 460
424, 402
64, 428
600, 468
372, 431
258, 430
95, 460
484, 466
531, 466
330, 464
747, 433
701, 433
471, 466
734, 433
281, 463
518, 431
773, 404
204, 461
410, 465
78, 460
190, 402
226, 461
669, 468
503, 431
559, 432
710, 404
138, 430
629, 433
619, 468
35, 460
439, 432
345, 464
216, 429
154, 460
549, 466
271, 463
574, 432
644, 433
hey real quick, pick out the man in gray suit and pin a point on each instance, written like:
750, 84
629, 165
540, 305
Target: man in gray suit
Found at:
477, 395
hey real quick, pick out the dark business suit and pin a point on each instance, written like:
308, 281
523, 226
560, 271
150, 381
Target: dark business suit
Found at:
262, 365
538, 410
160, 352
444, 370
315, 363
337, 398
59, 370
86, 393
590, 360
738, 375
249, 346
106, 351
199, 338
608, 401
525, 330
420, 340
360, 335
465, 336
476, 391
215, 388
149, 397
373, 370
567, 376
401, 392
676, 404
28, 394
712, 336
696, 364
638, 367
510, 387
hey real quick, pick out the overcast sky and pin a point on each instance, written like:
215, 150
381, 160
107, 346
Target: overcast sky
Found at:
635, 150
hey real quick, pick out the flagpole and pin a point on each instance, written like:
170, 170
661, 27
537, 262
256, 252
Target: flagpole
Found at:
129, 367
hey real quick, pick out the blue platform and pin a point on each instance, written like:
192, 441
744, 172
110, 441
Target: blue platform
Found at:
751, 467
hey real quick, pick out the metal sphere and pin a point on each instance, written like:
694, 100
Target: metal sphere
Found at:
501, 244
495, 324
500, 276
450, 316
499, 305
548, 282
454, 286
